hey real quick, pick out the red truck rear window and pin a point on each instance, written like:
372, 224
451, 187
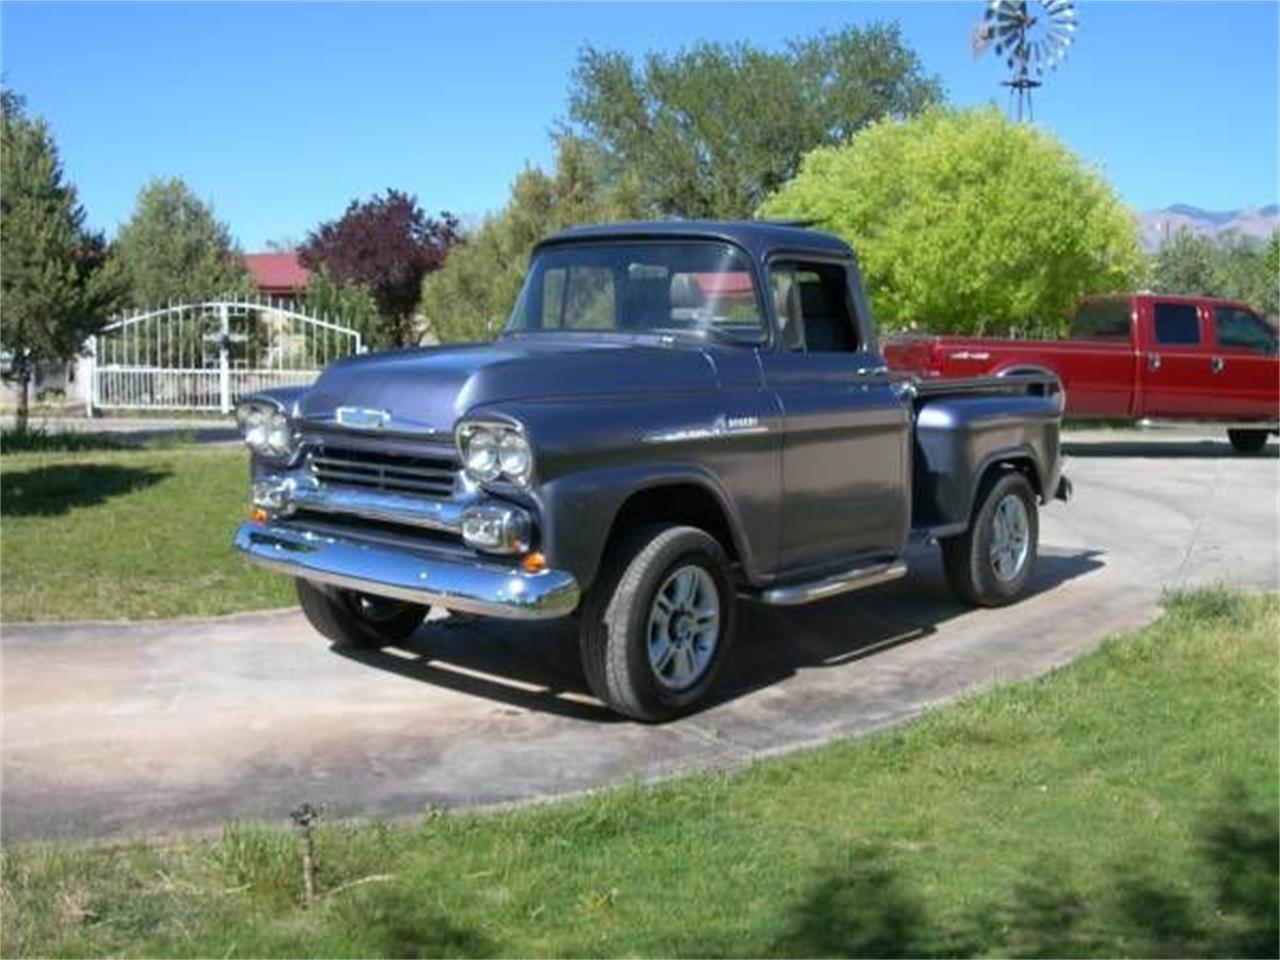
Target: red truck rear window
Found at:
1106, 319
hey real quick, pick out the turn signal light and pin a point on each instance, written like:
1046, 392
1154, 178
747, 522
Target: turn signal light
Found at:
533, 563
258, 515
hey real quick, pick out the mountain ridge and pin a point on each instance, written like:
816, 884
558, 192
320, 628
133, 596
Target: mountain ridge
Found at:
1255, 223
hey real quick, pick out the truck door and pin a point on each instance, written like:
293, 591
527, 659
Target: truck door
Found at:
1175, 368
845, 463
1244, 366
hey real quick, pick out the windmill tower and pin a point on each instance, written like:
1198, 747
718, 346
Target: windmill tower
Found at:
1031, 37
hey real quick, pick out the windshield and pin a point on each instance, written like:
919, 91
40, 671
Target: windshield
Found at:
687, 287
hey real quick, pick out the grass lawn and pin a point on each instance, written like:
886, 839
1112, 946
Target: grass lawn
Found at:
127, 534
1126, 805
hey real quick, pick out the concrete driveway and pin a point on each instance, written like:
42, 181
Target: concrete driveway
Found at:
121, 729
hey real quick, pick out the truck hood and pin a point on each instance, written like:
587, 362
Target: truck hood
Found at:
428, 389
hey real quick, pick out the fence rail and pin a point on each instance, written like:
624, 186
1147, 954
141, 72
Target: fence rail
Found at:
204, 356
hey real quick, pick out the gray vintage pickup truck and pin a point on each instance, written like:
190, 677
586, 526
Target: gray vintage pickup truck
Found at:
677, 415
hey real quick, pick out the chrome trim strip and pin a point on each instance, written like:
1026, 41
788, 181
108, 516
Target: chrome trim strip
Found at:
812, 590
489, 590
1161, 423
424, 512
723, 427
392, 424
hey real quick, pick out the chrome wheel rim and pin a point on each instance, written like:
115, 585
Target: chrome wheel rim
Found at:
1010, 537
684, 627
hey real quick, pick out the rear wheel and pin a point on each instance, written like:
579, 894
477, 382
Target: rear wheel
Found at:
990, 563
352, 619
658, 622
1247, 441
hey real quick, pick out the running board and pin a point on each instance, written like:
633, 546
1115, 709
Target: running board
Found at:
794, 594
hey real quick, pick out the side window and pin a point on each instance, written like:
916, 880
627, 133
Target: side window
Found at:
1177, 324
552, 298
577, 298
812, 301
1241, 329
1101, 319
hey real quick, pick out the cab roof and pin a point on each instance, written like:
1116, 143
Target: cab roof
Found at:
760, 238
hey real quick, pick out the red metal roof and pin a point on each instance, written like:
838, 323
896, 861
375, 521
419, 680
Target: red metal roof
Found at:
277, 272
725, 284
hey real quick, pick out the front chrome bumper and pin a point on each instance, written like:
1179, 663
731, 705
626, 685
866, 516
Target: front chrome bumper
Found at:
470, 586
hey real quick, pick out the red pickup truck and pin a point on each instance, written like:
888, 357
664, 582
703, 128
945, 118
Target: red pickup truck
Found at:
1135, 357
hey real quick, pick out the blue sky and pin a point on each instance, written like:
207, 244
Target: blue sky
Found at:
279, 114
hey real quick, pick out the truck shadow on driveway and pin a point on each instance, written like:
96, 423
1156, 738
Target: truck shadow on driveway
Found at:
1164, 449
536, 667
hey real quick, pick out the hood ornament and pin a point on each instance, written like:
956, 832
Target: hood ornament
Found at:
362, 418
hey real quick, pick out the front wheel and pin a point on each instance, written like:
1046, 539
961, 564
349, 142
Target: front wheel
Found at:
1247, 441
658, 622
352, 619
990, 563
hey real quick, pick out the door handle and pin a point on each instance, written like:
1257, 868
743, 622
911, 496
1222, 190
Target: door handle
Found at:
1153, 361
1216, 364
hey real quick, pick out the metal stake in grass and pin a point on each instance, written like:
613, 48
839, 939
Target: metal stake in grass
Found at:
304, 818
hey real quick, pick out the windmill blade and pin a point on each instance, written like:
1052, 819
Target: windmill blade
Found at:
1011, 12
981, 39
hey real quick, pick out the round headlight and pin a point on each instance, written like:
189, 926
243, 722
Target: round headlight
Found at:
255, 429
514, 457
265, 428
279, 438
480, 453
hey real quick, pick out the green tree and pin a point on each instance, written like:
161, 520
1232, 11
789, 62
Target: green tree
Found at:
1231, 266
712, 130
1188, 263
349, 304
55, 287
470, 297
965, 222
1249, 270
1266, 296
174, 248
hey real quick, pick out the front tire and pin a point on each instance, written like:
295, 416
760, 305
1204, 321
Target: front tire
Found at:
1247, 441
990, 563
658, 623
358, 620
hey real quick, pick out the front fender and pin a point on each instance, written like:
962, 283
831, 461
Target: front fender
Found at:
579, 511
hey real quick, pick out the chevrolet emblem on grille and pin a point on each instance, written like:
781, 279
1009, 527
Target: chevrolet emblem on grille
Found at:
360, 418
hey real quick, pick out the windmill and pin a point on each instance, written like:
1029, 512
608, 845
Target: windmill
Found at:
1031, 37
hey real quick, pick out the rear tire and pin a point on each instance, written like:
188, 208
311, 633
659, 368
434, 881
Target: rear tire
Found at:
1247, 441
990, 563
358, 620
658, 622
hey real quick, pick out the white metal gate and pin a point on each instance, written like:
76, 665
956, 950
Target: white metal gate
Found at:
204, 356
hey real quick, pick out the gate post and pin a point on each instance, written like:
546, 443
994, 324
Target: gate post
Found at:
224, 356
90, 384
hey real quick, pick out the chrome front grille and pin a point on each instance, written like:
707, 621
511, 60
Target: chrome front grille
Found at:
376, 470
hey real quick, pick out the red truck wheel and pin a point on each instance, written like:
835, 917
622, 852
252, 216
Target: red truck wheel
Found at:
1247, 441
989, 564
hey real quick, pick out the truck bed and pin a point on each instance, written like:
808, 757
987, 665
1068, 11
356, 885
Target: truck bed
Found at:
965, 425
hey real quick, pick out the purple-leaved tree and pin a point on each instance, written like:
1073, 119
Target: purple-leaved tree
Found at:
386, 244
